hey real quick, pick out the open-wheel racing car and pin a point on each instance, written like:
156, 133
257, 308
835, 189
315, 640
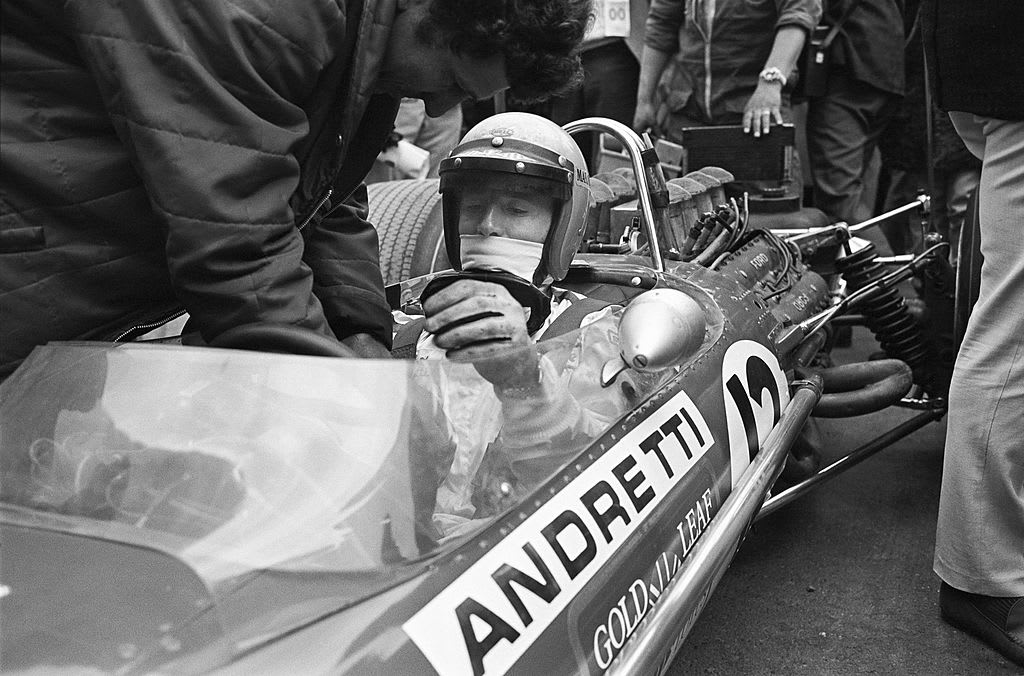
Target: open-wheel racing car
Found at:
179, 509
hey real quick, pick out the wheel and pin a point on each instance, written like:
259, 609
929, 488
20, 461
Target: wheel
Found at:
968, 270
281, 338
407, 215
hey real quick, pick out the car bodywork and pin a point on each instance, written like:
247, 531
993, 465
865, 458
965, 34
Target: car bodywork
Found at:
184, 509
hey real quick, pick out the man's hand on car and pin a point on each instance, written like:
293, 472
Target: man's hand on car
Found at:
763, 109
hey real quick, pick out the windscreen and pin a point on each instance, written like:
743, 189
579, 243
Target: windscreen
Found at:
236, 461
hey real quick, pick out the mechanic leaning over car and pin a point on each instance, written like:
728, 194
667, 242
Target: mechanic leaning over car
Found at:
209, 156
515, 194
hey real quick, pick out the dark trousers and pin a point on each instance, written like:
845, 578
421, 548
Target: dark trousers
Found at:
842, 133
610, 77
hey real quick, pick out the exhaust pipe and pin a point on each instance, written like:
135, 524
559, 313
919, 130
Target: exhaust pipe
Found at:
864, 387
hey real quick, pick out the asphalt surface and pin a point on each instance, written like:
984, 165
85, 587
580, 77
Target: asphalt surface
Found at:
840, 581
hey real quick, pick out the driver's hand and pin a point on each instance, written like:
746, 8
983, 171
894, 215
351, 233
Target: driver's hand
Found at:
473, 319
481, 322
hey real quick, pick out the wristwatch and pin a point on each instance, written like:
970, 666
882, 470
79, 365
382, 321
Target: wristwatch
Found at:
773, 74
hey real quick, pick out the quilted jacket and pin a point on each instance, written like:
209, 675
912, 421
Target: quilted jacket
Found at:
165, 155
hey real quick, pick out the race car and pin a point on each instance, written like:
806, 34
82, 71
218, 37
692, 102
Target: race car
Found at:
180, 509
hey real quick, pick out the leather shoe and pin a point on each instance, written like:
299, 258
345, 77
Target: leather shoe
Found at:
998, 621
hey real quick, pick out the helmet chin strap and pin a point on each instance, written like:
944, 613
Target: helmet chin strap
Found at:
537, 301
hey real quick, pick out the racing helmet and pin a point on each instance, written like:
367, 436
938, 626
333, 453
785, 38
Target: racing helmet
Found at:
521, 147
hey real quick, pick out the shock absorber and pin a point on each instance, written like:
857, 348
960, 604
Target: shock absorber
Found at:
886, 312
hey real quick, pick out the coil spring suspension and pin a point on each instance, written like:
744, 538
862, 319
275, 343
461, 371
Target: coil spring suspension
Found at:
886, 312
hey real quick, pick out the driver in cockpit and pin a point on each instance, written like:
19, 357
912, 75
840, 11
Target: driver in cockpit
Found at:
515, 195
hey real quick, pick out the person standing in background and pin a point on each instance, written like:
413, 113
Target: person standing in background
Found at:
434, 136
864, 88
907, 150
976, 58
723, 62
610, 72
437, 135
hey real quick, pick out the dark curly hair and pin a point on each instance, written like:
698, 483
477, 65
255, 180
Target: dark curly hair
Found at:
540, 39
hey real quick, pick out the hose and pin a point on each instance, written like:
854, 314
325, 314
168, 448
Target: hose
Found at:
717, 246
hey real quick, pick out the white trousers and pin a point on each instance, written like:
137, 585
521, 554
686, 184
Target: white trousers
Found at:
979, 544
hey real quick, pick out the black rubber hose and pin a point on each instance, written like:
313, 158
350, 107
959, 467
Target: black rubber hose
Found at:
864, 387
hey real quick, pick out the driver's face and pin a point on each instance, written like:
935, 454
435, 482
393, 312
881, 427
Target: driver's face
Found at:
500, 212
418, 69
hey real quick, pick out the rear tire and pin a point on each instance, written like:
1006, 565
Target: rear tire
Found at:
968, 270
407, 216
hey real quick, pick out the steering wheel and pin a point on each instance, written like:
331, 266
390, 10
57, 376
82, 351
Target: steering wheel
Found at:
281, 338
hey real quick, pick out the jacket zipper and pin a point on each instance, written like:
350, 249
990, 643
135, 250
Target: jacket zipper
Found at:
319, 204
709, 20
149, 326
